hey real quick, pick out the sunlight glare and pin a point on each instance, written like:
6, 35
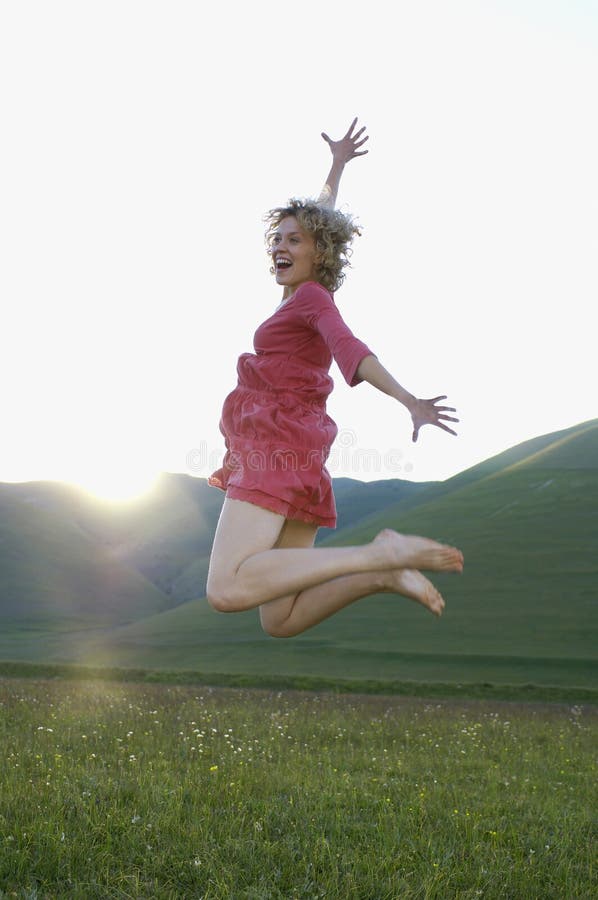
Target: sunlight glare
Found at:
118, 485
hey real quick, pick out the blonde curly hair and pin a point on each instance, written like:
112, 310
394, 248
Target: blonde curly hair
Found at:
332, 231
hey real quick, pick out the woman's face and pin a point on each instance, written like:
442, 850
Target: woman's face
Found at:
293, 253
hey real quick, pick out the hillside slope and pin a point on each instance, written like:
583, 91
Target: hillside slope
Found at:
576, 447
525, 609
53, 571
64, 552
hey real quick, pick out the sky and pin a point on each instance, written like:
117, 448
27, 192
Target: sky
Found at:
144, 141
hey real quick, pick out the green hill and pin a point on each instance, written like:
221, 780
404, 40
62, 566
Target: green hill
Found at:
525, 609
581, 441
156, 536
53, 572
165, 536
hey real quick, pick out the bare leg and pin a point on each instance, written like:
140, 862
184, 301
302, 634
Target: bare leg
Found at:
289, 616
246, 570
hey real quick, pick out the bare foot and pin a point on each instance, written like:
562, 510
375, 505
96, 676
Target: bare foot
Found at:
409, 551
411, 583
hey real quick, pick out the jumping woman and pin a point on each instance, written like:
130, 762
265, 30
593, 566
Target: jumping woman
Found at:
278, 436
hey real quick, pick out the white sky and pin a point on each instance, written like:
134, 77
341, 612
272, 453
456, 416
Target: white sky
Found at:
142, 143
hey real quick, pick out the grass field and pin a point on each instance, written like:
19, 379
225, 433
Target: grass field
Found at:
162, 791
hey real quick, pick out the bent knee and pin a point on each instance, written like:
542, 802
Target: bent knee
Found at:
218, 601
221, 601
225, 598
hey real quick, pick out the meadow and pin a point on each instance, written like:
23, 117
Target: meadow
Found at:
128, 790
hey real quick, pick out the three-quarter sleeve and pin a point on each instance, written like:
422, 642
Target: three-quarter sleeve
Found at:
321, 313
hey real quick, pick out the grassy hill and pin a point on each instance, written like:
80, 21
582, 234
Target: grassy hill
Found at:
165, 536
53, 572
525, 609
582, 453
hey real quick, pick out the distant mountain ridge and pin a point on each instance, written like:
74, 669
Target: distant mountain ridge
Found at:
571, 448
64, 551
83, 579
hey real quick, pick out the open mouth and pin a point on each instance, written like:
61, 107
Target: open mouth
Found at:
283, 263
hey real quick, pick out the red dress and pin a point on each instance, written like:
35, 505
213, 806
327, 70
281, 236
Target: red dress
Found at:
275, 425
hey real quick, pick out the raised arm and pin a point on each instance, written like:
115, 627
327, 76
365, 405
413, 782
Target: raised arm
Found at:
423, 412
342, 151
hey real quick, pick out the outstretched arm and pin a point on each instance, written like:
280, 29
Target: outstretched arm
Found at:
342, 151
423, 412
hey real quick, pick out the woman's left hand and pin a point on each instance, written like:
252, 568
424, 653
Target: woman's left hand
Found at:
425, 412
348, 146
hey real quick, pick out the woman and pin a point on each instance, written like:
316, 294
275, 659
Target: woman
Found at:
278, 435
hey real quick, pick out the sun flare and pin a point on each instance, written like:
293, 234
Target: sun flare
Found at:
118, 486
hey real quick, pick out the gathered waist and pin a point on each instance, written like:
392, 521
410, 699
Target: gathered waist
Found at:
283, 396
280, 374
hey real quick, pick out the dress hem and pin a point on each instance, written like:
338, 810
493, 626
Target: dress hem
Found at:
276, 505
